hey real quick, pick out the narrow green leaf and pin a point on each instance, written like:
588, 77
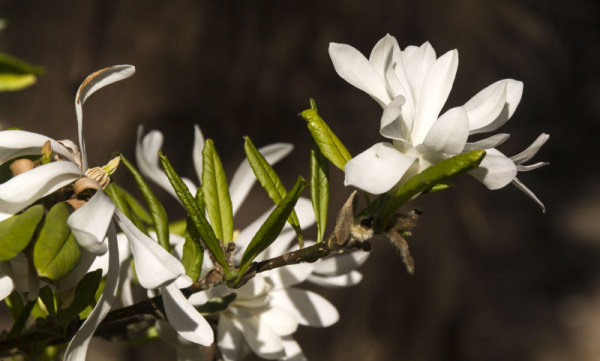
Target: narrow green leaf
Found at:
193, 254
330, 145
319, 187
17, 231
216, 193
55, 252
47, 297
200, 200
191, 206
272, 227
270, 181
84, 297
19, 324
11, 64
157, 211
432, 176
12, 82
15, 304
313, 105
114, 192
136, 207
217, 304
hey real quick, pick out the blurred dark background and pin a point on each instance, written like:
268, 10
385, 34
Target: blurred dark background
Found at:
495, 278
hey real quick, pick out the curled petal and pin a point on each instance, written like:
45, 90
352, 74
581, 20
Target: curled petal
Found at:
309, 308
449, 133
77, 349
146, 156
184, 318
529, 193
530, 167
353, 67
26, 188
155, 267
90, 222
532, 150
434, 93
496, 170
485, 106
394, 125
17, 143
487, 143
514, 91
197, 151
346, 280
377, 169
380, 52
90, 85
243, 178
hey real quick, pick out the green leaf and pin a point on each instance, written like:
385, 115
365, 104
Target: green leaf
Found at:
19, 324
114, 192
12, 82
319, 187
193, 254
84, 297
10, 64
136, 207
216, 193
272, 227
55, 252
157, 211
331, 147
47, 297
191, 206
432, 176
17, 231
270, 181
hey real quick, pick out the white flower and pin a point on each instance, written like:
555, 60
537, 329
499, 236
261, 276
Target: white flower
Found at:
94, 221
412, 85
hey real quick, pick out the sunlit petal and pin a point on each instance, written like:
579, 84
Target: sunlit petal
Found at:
449, 133
487, 143
310, 308
229, 339
349, 279
382, 160
261, 338
6, 285
90, 222
532, 150
496, 170
17, 143
529, 193
339, 265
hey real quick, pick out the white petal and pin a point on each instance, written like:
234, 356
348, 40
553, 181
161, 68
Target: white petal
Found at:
184, 318
310, 308
449, 133
496, 170
417, 63
26, 188
346, 280
486, 105
288, 276
77, 349
487, 143
261, 338
532, 150
197, 151
530, 167
339, 265
90, 85
434, 93
253, 288
244, 178
124, 253
293, 352
279, 320
514, 91
146, 156
377, 169
393, 122
353, 67
6, 285
380, 52
155, 267
90, 222
529, 193
23, 279
229, 339
17, 143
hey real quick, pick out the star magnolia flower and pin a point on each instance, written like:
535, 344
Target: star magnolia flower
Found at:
94, 221
412, 85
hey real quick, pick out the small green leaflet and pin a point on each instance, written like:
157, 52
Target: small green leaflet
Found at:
272, 227
17, 231
270, 181
157, 211
216, 193
191, 206
319, 188
55, 252
193, 254
330, 145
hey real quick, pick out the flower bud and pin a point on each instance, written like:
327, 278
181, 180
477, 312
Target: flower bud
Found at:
21, 166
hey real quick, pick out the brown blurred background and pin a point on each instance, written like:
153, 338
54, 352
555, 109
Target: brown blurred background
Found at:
496, 279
